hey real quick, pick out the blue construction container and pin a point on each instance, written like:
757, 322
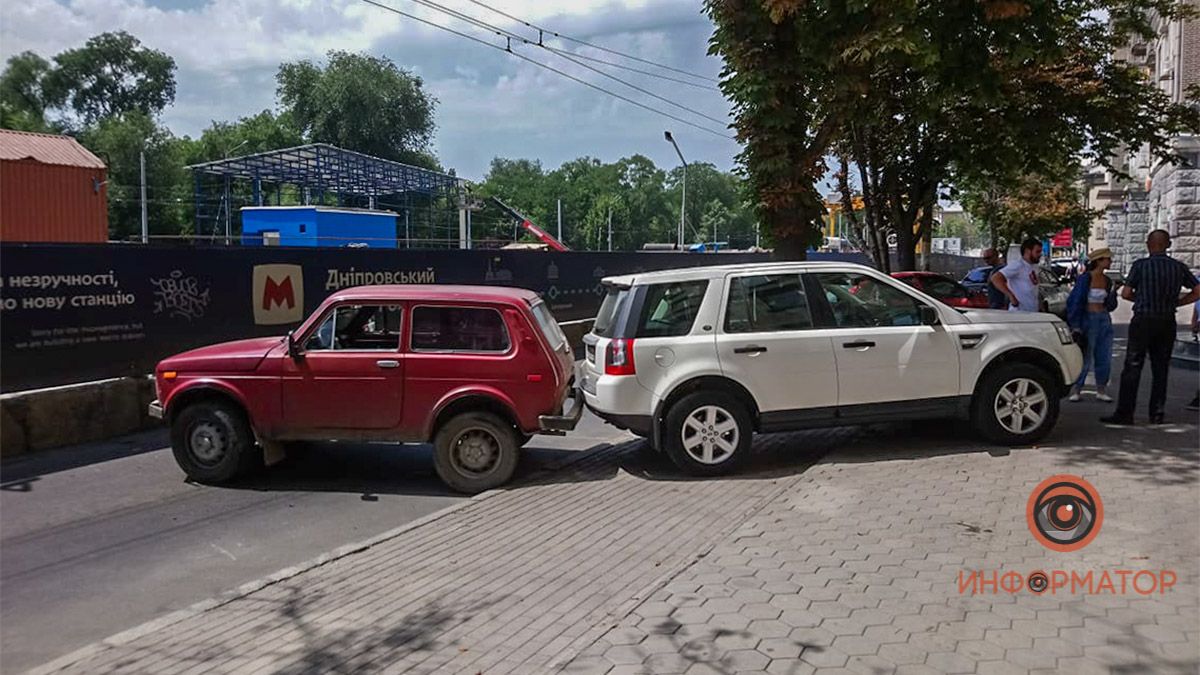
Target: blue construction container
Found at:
317, 226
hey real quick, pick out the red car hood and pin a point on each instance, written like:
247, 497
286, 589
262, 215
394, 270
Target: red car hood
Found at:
236, 356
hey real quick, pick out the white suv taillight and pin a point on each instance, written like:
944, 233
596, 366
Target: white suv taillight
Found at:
619, 360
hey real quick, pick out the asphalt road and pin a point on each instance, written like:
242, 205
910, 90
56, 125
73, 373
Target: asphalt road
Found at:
99, 538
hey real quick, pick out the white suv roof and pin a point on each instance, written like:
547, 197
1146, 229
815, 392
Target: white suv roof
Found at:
718, 271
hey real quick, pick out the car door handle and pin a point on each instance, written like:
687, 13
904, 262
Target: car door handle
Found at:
859, 344
388, 363
750, 349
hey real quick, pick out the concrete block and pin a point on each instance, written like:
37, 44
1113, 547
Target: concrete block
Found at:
12, 432
42, 419
1187, 211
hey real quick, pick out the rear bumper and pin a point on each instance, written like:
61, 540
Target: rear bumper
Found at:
155, 410
561, 424
641, 425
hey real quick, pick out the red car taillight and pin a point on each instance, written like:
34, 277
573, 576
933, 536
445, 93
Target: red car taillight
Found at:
619, 360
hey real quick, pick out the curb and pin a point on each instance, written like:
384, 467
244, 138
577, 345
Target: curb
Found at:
250, 587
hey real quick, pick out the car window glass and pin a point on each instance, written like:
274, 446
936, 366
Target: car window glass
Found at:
549, 326
358, 327
941, 287
978, 275
861, 301
458, 329
610, 308
771, 302
670, 309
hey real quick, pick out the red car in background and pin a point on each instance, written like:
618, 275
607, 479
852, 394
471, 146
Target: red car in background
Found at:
945, 289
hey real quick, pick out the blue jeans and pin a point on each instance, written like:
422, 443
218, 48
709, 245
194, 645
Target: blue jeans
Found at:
1099, 348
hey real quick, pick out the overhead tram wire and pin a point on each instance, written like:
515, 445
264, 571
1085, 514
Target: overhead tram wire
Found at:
622, 66
568, 38
509, 35
550, 68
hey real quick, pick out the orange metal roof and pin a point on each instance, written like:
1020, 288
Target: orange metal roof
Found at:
47, 149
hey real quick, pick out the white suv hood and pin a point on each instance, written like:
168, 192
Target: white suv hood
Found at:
1005, 316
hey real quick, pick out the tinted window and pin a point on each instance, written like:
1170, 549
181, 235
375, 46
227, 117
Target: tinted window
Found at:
941, 287
357, 327
459, 329
978, 275
671, 309
773, 302
549, 326
859, 301
610, 309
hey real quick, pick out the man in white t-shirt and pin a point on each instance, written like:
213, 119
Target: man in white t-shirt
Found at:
1018, 279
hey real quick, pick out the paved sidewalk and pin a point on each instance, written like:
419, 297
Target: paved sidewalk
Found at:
834, 549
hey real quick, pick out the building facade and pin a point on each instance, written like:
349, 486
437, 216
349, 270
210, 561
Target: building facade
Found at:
1161, 194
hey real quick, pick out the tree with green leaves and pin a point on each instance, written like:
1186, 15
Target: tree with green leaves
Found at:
916, 96
118, 140
23, 99
111, 74
361, 103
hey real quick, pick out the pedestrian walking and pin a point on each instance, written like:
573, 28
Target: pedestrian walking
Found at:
996, 299
1153, 286
1089, 310
1018, 280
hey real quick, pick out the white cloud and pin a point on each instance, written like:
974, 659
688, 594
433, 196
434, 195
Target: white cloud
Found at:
491, 104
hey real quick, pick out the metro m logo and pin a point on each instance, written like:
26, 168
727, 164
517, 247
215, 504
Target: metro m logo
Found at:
278, 294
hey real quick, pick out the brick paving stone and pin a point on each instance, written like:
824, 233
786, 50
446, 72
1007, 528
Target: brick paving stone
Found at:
850, 564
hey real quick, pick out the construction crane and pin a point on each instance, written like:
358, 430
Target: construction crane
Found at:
528, 225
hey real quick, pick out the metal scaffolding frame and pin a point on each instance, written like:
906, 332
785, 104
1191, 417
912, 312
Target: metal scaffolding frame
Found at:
320, 170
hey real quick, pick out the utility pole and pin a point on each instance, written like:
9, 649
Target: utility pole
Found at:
145, 222
610, 229
560, 220
757, 243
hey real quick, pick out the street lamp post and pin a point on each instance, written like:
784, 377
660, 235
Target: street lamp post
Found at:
229, 206
683, 199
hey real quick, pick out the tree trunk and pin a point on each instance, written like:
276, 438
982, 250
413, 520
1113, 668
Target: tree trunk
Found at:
790, 228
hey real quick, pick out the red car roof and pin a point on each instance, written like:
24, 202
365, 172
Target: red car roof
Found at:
436, 292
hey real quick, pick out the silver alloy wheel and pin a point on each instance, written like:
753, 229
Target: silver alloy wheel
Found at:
1021, 405
710, 434
208, 443
475, 452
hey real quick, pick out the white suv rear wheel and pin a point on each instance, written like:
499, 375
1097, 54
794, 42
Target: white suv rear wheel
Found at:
708, 433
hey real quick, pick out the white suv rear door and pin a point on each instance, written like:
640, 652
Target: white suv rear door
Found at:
768, 342
883, 352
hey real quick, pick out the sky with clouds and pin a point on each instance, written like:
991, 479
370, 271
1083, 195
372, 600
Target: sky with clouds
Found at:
490, 103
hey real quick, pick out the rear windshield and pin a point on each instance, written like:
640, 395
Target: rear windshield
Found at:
610, 309
670, 309
549, 326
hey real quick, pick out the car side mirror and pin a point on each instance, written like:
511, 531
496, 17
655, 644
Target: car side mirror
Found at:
929, 316
293, 349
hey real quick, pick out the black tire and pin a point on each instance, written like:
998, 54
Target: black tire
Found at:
493, 450
987, 412
723, 407
230, 449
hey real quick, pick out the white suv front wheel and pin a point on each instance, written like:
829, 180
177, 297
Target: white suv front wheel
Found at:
1015, 404
708, 433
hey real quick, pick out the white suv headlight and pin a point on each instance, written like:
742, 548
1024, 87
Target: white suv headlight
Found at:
1064, 333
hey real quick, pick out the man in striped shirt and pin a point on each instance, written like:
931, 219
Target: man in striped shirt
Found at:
1153, 285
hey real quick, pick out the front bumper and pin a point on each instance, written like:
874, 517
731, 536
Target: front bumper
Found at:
561, 424
155, 410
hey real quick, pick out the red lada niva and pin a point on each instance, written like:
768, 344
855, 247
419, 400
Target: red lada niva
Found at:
476, 370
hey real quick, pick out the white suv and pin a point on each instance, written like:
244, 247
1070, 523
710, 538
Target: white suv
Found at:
699, 359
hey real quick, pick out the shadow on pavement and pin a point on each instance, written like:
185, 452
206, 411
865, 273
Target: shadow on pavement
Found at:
19, 470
